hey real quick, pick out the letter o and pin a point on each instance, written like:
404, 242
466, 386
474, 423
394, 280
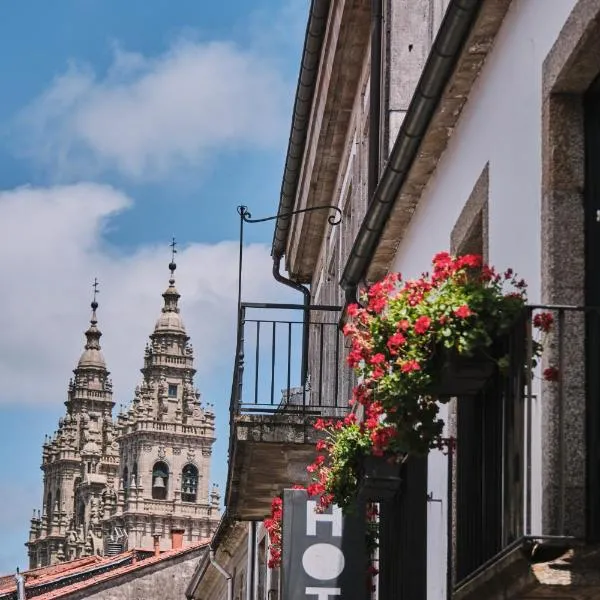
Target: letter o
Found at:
323, 561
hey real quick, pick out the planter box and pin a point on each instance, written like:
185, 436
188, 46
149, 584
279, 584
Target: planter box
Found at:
380, 478
466, 375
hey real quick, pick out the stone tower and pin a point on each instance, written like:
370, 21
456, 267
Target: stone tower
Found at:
79, 462
165, 444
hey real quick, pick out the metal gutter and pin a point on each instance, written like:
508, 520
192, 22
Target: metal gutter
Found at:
223, 528
198, 575
223, 572
454, 30
307, 79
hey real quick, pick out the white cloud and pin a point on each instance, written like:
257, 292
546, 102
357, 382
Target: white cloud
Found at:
148, 115
52, 239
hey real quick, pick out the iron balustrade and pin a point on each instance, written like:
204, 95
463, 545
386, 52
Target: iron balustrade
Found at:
514, 442
268, 376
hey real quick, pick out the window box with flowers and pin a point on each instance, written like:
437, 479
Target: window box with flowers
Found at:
414, 344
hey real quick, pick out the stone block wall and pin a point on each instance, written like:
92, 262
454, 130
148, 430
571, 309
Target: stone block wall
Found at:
166, 580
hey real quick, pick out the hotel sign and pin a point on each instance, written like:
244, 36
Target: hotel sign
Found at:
323, 553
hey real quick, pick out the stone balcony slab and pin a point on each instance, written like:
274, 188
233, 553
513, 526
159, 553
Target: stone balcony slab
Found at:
268, 454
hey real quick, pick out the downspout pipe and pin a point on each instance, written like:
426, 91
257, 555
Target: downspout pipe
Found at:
456, 26
223, 572
375, 97
305, 91
305, 316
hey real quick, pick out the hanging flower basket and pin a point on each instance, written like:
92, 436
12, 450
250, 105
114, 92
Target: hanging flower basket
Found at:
380, 477
465, 375
414, 344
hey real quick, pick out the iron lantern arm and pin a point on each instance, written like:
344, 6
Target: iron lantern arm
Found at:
333, 219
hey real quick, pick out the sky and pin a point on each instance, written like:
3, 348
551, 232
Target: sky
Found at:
123, 124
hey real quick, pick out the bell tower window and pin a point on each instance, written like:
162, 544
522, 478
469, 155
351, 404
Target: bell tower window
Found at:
125, 480
49, 505
189, 483
172, 391
160, 481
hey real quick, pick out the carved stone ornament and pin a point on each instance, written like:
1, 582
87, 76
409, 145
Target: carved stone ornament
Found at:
161, 452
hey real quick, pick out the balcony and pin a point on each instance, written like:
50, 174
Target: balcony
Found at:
289, 370
524, 502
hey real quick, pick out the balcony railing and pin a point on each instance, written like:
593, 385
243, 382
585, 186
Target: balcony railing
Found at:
289, 370
290, 359
519, 467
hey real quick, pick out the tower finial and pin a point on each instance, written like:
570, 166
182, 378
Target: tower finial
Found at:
96, 292
172, 265
93, 334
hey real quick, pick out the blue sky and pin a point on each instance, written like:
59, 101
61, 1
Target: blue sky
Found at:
122, 124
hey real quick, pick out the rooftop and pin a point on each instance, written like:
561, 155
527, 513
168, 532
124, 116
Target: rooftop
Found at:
61, 580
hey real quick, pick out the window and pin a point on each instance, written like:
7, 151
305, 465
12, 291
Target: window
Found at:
134, 475
172, 390
189, 483
160, 481
76, 484
49, 505
125, 479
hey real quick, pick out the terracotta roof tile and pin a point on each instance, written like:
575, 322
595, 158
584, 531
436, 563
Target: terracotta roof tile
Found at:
61, 568
102, 577
37, 577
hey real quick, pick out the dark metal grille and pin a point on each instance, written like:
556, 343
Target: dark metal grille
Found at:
489, 460
499, 432
479, 479
403, 537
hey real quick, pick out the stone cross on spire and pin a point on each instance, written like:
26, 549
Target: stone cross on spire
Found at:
96, 291
172, 265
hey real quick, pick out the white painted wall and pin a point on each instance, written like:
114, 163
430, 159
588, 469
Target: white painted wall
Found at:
501, 123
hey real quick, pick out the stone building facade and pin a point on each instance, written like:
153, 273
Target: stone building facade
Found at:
143, 479
469, 126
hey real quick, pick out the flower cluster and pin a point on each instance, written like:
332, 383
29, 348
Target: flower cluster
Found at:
400, 339
273, 527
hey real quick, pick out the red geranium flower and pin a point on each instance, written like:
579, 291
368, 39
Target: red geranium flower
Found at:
422, 325
463, 312
410, 365
543, 321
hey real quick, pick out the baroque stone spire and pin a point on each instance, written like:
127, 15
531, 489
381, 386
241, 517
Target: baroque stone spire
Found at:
80, 461
92, 355
165, 441
170, 321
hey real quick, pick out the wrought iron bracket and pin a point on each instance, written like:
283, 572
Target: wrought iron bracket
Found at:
333, 219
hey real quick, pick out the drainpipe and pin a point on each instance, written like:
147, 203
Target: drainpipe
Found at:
20, 580
251, 562
218, 567
375, 98
306, 314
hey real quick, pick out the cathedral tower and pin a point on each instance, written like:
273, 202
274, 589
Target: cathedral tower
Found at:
79, 462
165, 444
